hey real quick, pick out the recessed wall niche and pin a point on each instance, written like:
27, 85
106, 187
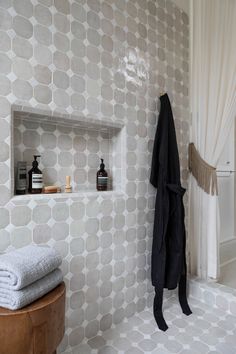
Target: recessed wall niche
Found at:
69, 146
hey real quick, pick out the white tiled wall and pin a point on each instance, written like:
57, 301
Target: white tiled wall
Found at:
104, 60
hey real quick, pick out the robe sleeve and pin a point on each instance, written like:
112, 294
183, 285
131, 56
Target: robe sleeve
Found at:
160, 147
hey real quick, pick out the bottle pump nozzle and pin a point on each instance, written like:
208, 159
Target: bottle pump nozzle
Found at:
102, 165
35, 162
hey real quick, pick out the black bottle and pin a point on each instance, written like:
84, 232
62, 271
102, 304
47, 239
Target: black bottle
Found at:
35, 178
102, 178
21, 180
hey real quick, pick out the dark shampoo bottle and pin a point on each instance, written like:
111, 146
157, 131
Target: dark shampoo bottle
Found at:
35, 178
102, 178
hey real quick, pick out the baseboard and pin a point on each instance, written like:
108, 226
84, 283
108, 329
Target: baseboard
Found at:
228, 262
227, 251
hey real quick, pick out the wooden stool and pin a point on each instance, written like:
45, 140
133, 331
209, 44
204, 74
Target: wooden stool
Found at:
35, 329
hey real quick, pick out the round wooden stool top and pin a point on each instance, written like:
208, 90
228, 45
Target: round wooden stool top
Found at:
37, 328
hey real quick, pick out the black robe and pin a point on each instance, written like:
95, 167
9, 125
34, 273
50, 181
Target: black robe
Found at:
169, 237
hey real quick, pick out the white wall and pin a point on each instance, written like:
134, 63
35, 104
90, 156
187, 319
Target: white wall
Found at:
227, 194
226, 183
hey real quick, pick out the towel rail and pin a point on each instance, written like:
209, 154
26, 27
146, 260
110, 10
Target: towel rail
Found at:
229, 171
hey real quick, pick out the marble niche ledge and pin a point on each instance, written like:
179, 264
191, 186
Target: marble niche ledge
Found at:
17, 199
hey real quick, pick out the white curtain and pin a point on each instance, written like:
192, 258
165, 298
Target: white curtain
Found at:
213, 92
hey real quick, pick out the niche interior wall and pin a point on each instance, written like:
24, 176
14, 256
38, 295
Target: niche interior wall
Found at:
100, 60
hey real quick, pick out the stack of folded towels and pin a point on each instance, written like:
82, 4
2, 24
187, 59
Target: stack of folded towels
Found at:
27, 274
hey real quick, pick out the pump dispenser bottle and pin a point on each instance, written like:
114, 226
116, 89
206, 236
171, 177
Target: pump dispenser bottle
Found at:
102, 178
35, 178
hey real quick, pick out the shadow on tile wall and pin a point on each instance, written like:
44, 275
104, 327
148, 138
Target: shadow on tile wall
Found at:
106, 60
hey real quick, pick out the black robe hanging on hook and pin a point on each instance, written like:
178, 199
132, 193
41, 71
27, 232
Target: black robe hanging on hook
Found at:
169, 238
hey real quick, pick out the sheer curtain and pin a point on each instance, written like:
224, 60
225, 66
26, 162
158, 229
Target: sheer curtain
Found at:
213, 95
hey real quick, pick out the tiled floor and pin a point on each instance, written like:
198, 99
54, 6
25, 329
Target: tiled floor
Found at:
207, 330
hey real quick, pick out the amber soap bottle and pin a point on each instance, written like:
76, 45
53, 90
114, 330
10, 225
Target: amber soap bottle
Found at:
102, 178
35, 178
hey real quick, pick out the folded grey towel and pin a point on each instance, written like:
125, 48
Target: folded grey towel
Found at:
24, 266
16, 299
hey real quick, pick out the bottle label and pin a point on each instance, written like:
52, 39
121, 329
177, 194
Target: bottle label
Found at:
102, 181
21, 177
37, 181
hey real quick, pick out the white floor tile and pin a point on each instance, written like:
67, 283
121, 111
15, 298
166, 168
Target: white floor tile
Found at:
201, 333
